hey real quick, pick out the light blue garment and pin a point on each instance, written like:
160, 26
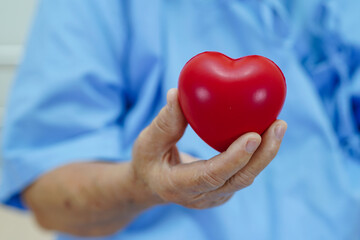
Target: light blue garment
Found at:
95, 73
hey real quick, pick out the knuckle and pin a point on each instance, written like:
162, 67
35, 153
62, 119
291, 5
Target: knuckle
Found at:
272, 151
243, 179
211, 180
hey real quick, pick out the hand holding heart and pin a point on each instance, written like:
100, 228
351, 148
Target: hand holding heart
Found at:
223, 98
165, 175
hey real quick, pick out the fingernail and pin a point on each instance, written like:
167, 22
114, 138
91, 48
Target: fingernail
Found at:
280, 131
251, 145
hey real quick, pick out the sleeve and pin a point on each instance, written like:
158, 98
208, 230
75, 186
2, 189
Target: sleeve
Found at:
68, 100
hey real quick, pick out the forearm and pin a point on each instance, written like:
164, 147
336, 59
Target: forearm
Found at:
87, 199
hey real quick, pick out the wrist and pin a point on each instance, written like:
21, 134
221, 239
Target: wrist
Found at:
138, 194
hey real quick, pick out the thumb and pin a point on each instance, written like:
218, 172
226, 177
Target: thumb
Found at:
168, 126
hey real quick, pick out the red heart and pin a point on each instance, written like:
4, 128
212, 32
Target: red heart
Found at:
223, 98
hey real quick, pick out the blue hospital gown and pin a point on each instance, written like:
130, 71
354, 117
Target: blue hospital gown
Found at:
95, 73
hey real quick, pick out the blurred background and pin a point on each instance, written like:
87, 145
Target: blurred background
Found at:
15, 20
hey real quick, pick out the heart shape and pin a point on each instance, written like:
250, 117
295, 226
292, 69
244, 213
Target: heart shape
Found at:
223, 98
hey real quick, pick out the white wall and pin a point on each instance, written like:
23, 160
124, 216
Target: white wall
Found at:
15, 19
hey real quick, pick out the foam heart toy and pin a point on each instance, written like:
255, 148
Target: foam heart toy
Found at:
223, 98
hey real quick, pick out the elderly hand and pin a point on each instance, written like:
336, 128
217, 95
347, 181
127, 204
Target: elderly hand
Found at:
90, 198
169, 176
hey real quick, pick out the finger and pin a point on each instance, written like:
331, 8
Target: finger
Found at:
268, 149
168, 126
203, 176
